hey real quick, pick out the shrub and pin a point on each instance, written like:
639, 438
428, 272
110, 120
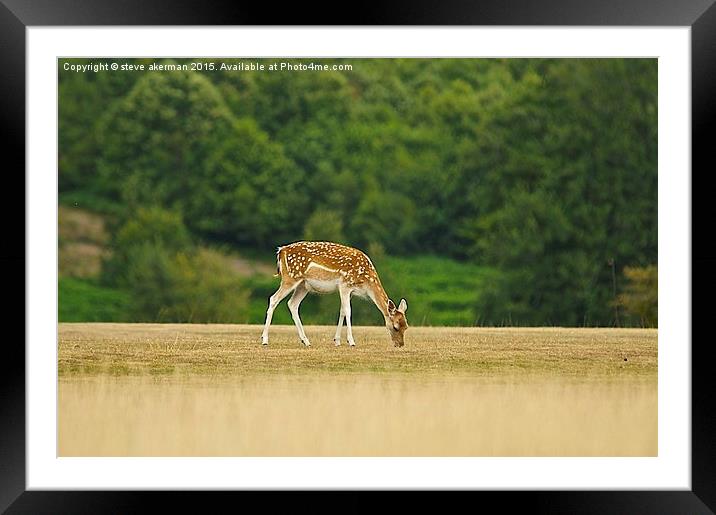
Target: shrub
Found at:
324, 225
185, 287
641, 296
149, 228
169, 278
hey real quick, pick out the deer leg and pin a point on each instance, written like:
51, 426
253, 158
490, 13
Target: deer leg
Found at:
294, 302
346, 309
277, 297
337, 337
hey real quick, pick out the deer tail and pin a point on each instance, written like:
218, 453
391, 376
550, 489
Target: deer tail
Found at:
278, 262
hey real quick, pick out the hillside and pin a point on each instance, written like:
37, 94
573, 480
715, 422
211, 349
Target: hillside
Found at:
543, 169
440, 291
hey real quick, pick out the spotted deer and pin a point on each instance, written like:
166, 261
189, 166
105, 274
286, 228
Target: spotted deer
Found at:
323, 267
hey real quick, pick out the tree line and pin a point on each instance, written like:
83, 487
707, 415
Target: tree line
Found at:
544, 169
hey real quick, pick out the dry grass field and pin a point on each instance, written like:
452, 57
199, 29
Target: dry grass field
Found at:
213, 390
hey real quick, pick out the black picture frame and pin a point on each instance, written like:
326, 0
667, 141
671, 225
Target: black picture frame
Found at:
17, 15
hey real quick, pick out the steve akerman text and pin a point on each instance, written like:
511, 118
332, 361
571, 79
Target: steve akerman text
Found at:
205, 66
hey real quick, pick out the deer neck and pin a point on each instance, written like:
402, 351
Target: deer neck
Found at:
380, 299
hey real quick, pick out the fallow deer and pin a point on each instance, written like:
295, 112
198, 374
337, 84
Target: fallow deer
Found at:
324, 267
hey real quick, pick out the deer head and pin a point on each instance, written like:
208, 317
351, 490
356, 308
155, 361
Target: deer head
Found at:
396, 323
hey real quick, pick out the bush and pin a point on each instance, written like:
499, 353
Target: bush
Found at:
153, 228
641, 296
210, 290
185, 287
324, 225
169, 278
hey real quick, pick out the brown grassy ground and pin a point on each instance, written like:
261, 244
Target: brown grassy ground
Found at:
121, 349
196, 390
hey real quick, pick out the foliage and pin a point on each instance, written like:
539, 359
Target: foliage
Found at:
187, 287
324, 225
148, 228
169, 278
543, 169
84, 97
173, 142
567, 181
641, 295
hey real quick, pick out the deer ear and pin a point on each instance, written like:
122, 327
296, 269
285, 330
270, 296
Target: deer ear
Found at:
403, 307
391, 307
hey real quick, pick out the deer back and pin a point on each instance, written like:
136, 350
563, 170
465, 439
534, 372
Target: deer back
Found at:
302, 259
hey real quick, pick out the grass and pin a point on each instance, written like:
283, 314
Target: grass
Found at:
442, 291
121, 349
353, 415
213, 390
83, 300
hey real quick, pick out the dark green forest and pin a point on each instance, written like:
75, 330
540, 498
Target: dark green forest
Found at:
494, 191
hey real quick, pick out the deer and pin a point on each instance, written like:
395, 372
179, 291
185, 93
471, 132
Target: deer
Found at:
323, 267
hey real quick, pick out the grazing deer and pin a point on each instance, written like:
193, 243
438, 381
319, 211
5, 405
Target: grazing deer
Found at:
322, 267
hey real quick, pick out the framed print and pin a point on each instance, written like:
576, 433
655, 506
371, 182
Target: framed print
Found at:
498, 187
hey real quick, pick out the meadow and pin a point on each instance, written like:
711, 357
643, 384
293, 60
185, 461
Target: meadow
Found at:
489, 193
213, 390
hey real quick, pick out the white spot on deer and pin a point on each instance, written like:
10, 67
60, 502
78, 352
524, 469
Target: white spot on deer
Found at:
313, 264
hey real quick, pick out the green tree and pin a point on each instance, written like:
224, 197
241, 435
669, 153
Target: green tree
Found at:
173, 142
156, 137
83, 99
385, 218
542, 168
559, 186
247, 192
